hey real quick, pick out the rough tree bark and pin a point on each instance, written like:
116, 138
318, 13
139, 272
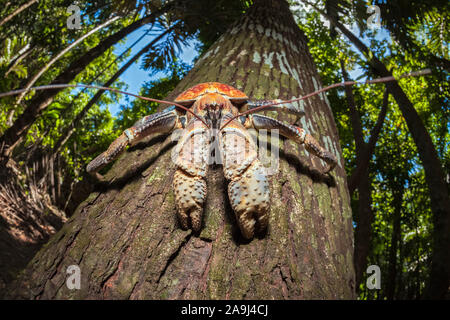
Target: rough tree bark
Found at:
126, 238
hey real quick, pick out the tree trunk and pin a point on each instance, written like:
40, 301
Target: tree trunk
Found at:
395, 237
126, 239
360, 178
364, 216
366, 154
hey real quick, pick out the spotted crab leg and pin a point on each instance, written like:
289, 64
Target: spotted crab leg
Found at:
161, 122
294, 133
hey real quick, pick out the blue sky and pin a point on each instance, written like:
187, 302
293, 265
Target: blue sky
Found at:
134, 76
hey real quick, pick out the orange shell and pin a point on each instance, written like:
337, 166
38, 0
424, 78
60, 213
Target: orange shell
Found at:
191, 94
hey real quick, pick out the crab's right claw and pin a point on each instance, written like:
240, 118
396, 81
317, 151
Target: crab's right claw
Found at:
189, 182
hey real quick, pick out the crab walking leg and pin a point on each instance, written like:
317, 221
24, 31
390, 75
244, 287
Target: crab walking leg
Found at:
189, 180
285, 107
248, 189
294, 133
162, 122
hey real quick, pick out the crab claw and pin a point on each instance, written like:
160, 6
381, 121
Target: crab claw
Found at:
249, 197
190, 194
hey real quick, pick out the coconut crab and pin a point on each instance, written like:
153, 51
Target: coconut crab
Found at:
219, 107
201, 110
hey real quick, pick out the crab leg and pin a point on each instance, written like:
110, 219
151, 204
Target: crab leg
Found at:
248, 189
162, 122
285, 107
294, 133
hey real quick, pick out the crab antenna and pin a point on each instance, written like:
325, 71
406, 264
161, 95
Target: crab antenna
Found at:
56, 86
340, 84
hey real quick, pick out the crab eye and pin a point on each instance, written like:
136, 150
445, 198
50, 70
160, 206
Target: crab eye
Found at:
243, 119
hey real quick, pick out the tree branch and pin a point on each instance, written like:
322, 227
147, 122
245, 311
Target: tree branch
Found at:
71, 128
365, 155
69, 106
13, 135
59, 55
19, 10
354, 114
